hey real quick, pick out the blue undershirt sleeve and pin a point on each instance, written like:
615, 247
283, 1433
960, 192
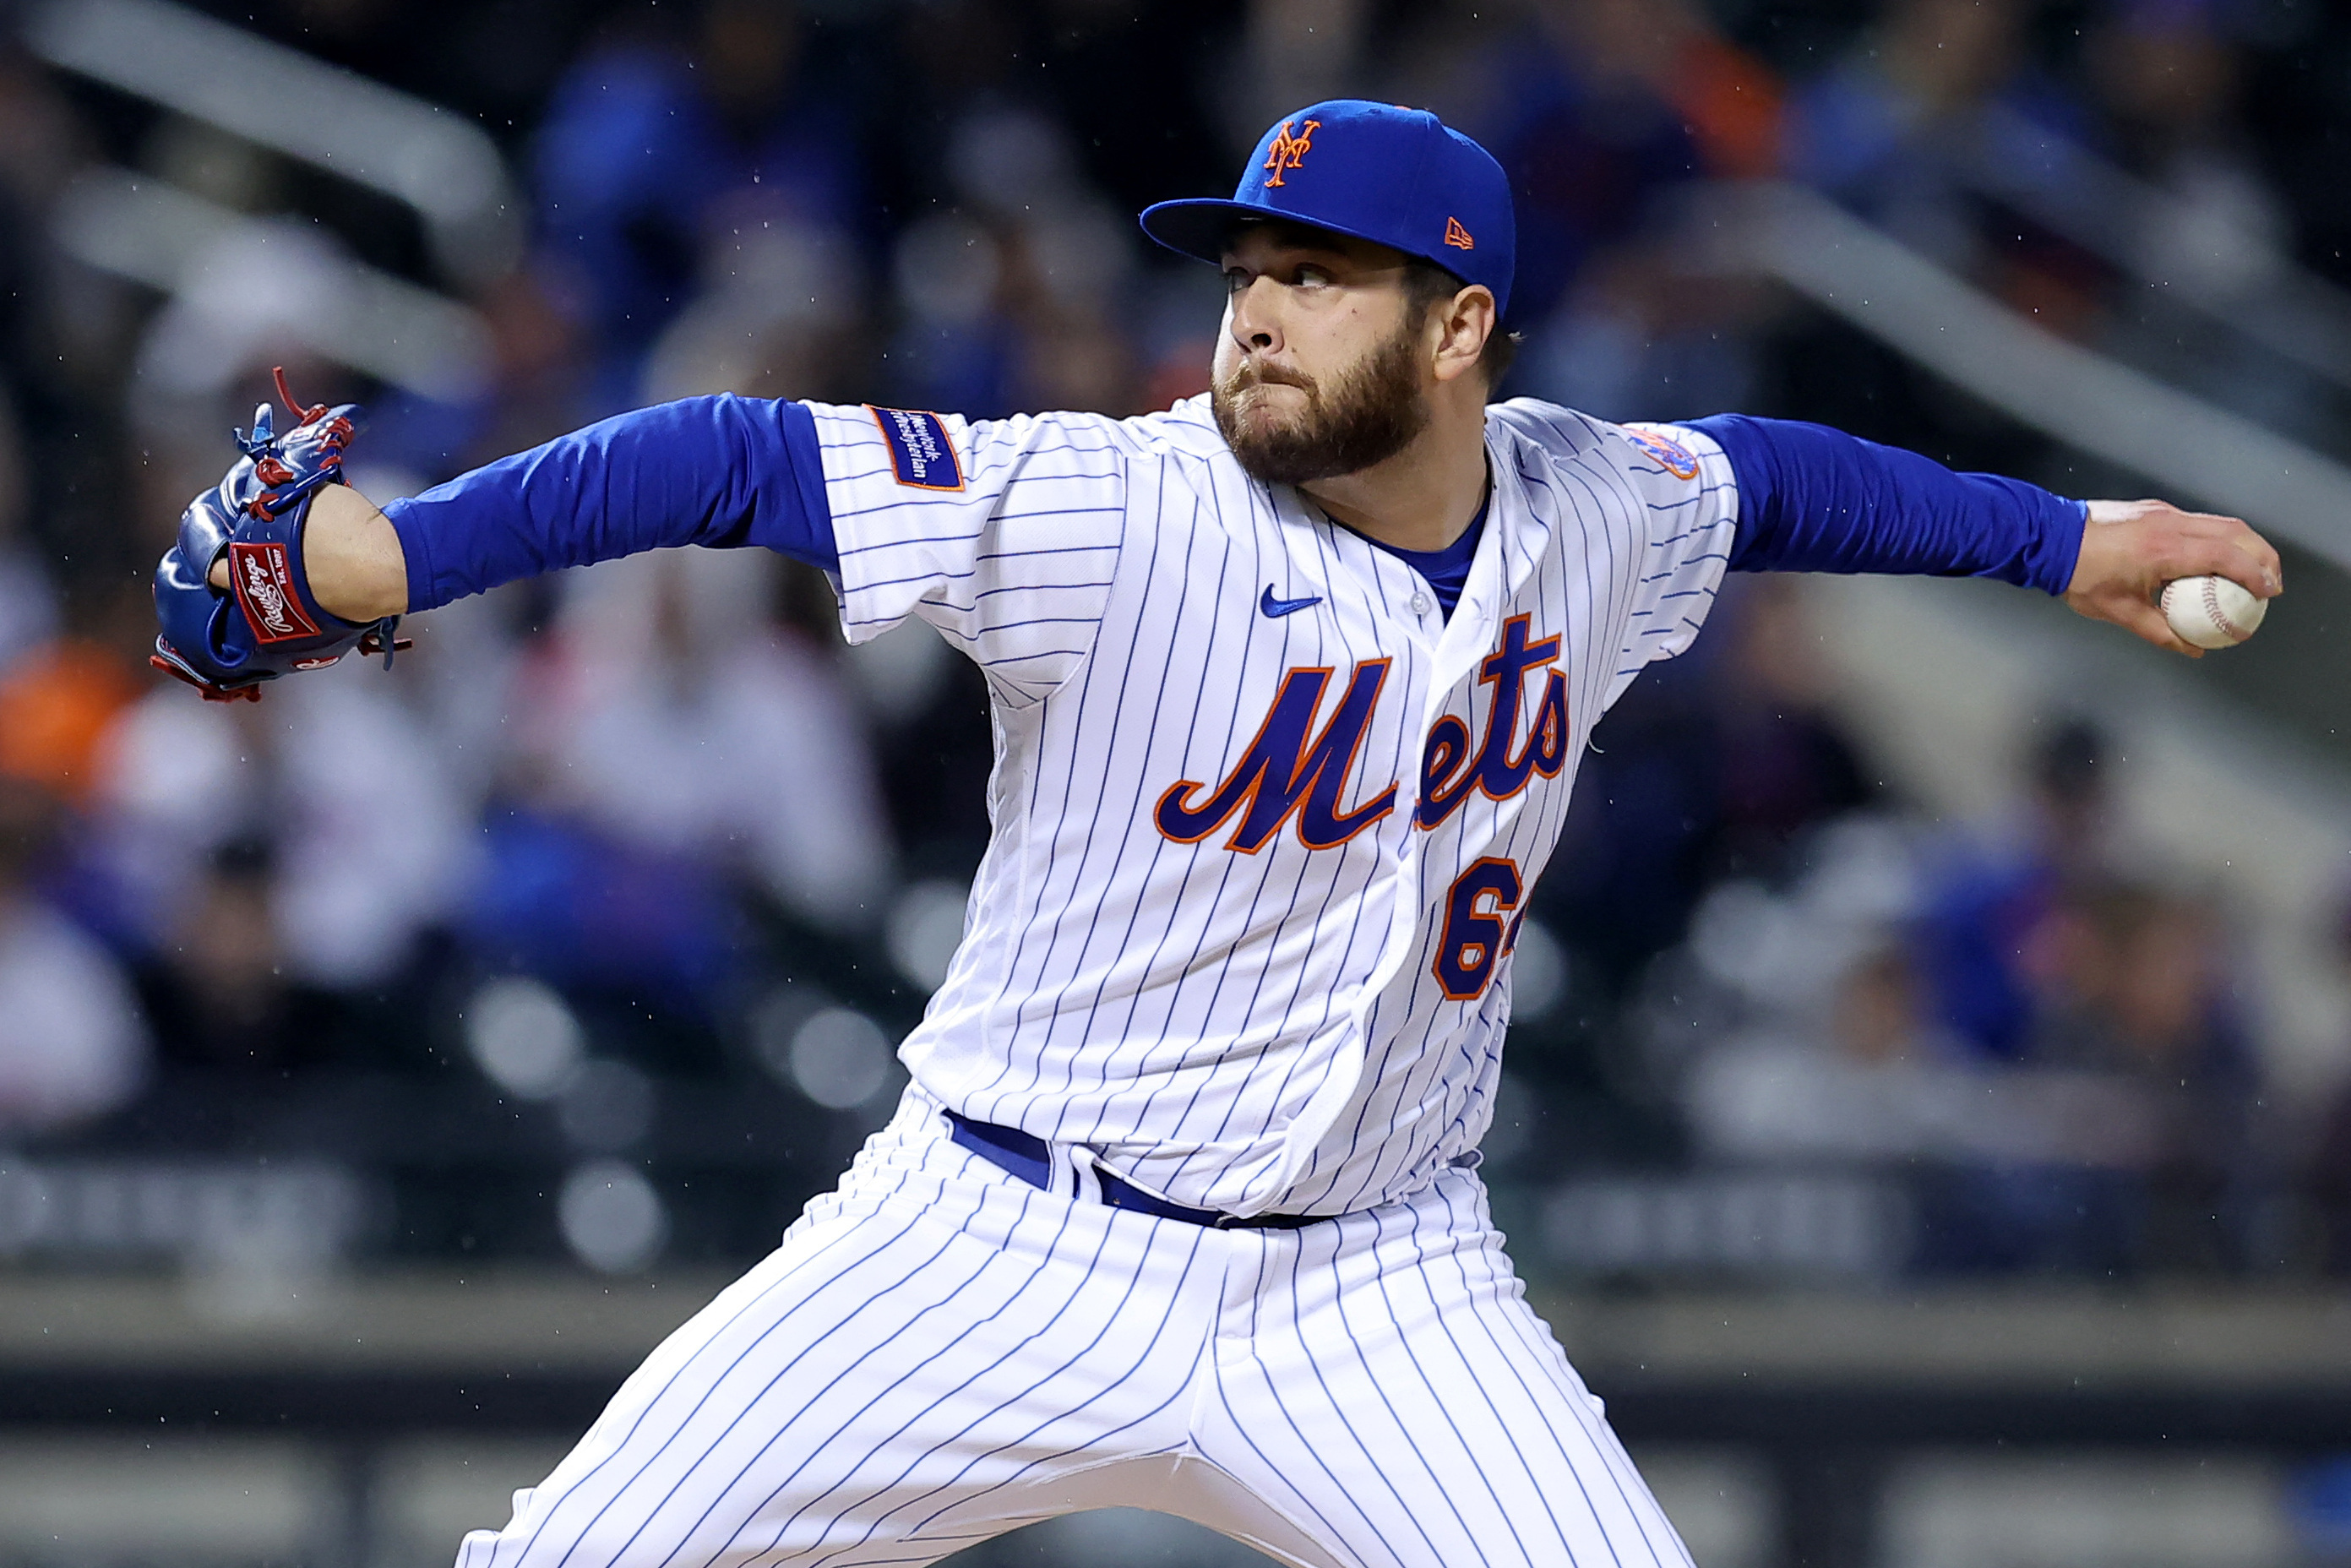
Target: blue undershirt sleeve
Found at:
722, 471
1817, 499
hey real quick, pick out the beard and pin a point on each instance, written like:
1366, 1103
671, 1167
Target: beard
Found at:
1365, 415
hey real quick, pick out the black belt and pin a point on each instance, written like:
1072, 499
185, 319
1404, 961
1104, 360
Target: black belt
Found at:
1032, 1159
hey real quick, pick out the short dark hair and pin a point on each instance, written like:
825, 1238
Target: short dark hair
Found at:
1426, 284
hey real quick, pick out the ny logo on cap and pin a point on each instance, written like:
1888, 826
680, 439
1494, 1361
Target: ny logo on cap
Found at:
1289, 152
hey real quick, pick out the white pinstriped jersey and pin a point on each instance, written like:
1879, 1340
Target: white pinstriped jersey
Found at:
1264, 819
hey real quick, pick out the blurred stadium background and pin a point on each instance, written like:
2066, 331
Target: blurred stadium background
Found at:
1929, 1120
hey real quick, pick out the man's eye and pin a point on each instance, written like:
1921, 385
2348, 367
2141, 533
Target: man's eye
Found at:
1236, 279
1310, 275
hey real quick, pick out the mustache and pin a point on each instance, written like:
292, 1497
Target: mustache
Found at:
1253, 373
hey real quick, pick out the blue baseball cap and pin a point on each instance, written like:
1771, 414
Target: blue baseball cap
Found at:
1400, 177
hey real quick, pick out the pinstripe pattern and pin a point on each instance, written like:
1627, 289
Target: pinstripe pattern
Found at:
939, 1352
1262, 1032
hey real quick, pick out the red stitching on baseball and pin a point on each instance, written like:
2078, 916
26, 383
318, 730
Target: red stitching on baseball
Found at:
2212, 609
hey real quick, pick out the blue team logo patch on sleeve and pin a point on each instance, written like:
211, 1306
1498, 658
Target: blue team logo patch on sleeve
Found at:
1673, 457
921, 454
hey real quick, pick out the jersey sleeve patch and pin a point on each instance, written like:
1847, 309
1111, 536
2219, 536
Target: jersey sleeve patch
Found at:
1672, 456
921, 454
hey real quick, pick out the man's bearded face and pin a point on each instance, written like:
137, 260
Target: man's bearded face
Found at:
1352, 419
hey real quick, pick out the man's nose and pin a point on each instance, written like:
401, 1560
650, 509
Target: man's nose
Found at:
1256, 323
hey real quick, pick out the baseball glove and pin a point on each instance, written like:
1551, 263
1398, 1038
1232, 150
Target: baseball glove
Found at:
266, 624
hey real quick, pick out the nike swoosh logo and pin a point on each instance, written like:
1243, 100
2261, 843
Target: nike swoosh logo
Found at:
1277, 607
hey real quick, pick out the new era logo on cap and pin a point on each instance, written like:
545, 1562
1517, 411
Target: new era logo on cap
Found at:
1456, 236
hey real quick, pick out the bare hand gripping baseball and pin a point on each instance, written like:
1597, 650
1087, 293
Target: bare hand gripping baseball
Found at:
238, 598
2131, 549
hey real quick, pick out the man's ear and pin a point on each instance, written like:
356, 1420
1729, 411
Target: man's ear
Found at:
1465, 322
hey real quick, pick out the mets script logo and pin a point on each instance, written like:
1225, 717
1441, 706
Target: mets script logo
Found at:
1292, 770
1289, 152
1450, 767
263, 580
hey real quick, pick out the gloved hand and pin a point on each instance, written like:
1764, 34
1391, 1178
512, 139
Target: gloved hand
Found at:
266, 624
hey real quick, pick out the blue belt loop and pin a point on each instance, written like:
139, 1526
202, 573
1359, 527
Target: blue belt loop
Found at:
1017, 1153
1030, 1157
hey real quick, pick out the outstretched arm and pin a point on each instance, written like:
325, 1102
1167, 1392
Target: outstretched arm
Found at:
1003, 534
1816, 500
710, 471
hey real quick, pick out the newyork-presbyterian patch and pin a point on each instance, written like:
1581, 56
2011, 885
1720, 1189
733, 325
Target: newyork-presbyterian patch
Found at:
921, 454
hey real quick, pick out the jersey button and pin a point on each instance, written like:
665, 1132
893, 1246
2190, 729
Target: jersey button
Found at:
1419, 604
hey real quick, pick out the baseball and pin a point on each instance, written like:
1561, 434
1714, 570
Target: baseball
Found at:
2211, 611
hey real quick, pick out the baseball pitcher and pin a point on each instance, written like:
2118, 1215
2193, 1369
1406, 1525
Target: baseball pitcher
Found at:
1181, 1209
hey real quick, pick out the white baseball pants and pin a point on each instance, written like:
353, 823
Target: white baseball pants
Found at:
939, 1352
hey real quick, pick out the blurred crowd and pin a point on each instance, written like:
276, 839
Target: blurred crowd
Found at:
619, 871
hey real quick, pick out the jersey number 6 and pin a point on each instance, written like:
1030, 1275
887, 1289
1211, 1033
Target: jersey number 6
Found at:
1476, 933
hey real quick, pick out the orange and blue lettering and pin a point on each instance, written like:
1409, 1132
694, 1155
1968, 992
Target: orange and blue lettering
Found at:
1288, 771
1477, 929
1449, 768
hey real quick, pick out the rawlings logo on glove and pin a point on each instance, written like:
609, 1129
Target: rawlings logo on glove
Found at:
267, 624
263, 577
